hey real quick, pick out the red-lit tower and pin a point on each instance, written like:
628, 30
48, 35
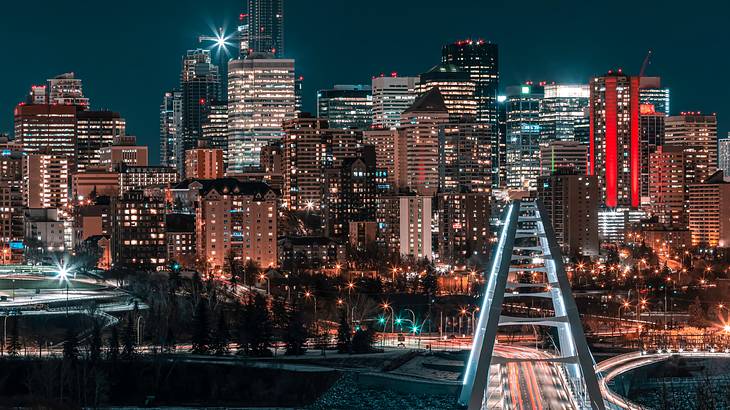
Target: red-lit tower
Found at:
614, 139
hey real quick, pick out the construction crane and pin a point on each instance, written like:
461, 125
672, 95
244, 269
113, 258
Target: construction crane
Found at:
647, 61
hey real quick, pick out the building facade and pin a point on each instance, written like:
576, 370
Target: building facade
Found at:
391, 96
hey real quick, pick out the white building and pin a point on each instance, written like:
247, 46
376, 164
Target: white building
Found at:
391, 96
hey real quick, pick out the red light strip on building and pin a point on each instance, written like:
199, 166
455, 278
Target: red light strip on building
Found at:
611, 160
592, 153
634, 146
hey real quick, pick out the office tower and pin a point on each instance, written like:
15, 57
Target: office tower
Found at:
694, 129
199, 87
233, 218
404, 222
668, 184
170, 127
615, 142
481, 60
349, 194
463, 233
180, 234
558, 155
563, 111
138, 230
456, 87
266, 26
11, 203
384, 141
651, 129
416, 152
242, 33
95, 130
499, 147
260, 99
346, 106
66, 89
571, 201
140, 177
723, 155
391, 96
124, 150
465, 157
523, 136
204, 163
45, 181
302, 158
707, 212
652, 93
48, 129
298, 92
215, 128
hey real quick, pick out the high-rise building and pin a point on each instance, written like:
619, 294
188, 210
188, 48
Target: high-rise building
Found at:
349, 194
668, 183
45, 181
346, 106
94, 183
180, 234
499, 148
563, 111
523, 136
652, 93
694, 129
404, 224
651, 128
571, 201
260, 99
723, 155
480, 59
48, 129
416, 153
94, 131
170, 128
199, 87
124, 150
465, 157
66, 89
266, 26
302, 158
463, 233
215, 128
708, 221
204, 163
138, 230
456, 87
391, 96
11, 203
385, 141
615, 141
140, 177
558, 155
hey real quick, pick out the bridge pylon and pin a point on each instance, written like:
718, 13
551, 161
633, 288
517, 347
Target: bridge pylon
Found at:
527, 247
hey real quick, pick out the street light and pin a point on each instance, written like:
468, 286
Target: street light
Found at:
62, 275
308, 295
387, 306
268, 283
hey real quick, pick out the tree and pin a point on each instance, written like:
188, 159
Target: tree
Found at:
14, 345
221, 336
363, 341
296, 332
128, 342
344, 334
696, 313
113, 352
70, 345
201, 328
260, 326
251, 270
95, 342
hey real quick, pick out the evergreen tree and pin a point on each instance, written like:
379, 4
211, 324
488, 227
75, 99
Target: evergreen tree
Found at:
113, 352
201, 329
296, 332
95, 342
242, 327
363, 341
70, 345
14, 345
128, 342
260, 326
221, 336
696, 313
344, 335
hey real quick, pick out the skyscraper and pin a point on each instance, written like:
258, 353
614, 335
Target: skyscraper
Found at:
346, 106
391, 96
260, 99
563, 109
694, 129
215, 128
651, 128
723, 155
94, 131
523, 136
45, 181
465, 157
557, 155
66, 89
455, 86
200, 86
170, 127
614, 139
651, 92
266, 26
48, 129
481, 60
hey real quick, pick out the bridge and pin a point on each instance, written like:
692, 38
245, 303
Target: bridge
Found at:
527, 265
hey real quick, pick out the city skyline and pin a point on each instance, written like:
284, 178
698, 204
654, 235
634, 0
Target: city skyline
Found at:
121, 60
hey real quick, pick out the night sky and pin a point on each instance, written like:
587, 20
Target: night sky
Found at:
128, 52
